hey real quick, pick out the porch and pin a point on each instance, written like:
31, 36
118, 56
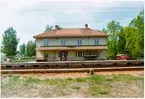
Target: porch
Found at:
71, 55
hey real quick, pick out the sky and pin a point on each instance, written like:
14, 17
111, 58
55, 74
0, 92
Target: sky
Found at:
30, 17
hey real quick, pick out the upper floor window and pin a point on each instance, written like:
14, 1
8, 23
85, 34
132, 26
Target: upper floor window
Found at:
96, 41
45, 42
79, 42
62, 42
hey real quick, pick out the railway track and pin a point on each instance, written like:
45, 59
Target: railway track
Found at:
24, 71
73, 66
66, 67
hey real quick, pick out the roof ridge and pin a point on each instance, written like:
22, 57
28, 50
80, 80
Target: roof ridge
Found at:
68, 32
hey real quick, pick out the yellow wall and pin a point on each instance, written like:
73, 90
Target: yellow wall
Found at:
71, 55
54, 55
39, 55
103, 54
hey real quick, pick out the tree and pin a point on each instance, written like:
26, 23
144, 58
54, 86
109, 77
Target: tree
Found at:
30, 49
22, 49
10, 42
126, 40
135, 36
121, 41
104, 30
48, 28
60, 28
113, 29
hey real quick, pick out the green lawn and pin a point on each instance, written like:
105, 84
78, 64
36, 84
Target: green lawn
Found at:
16, 61
94, 86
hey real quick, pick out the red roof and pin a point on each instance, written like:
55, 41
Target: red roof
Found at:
72, 32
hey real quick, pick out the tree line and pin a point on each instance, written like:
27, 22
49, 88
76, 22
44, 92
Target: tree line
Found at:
10, 42
28, 49
127, 40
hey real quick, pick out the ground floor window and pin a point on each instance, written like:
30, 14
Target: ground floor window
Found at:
79, 54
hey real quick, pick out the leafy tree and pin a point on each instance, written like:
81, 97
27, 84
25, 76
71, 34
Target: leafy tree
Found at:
121, 42
60, 28
135, 36
113, 29
104, 30
130, 33
48, 28
10, 42
126, 40
22, 49
30, 49
1, 48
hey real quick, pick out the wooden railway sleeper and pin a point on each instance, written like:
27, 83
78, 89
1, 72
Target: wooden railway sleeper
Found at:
22, 66
8, 66
115, 64
83, 65
35, 65
46, 65
129, 63
67, 66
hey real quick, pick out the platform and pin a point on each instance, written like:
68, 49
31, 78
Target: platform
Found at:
72, 64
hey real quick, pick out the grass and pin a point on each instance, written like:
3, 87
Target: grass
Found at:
33, 80
95, 79
97, 85
122, 77
80, 79
97, 90
27, 60
76, 87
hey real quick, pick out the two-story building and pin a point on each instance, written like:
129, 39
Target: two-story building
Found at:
71, 44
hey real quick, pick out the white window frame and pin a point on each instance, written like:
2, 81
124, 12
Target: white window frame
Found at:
96, 41
79, 54
63, 42
79, 41
45, 42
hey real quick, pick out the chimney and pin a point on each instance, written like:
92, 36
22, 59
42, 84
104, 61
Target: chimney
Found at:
86, 26
56, 27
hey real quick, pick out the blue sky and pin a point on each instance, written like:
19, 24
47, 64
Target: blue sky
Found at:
30, 17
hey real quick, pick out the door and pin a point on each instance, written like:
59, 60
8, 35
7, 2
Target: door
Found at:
46, 56
63, 55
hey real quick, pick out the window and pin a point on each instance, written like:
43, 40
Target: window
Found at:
79, 54
79, 42
45, 42
98, 54
96, 41
62, 42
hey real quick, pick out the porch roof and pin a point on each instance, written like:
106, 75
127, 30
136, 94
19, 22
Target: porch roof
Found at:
74, 48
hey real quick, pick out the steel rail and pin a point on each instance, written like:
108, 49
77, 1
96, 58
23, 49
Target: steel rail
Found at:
25, 71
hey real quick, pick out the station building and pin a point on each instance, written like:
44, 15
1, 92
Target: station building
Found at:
71, 44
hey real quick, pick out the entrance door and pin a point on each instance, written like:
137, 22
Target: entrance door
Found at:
63, 55
45, 56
